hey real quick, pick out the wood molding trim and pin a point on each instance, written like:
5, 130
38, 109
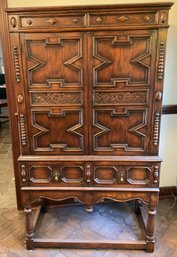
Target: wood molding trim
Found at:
169, 109
168, 191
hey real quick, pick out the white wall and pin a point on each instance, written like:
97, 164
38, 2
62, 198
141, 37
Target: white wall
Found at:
168, 142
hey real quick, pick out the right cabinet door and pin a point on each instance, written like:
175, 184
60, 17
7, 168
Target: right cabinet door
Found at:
122, 73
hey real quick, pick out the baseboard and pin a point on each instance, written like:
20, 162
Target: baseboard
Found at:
168, 191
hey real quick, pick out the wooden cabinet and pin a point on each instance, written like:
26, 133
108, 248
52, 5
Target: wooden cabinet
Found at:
88, 85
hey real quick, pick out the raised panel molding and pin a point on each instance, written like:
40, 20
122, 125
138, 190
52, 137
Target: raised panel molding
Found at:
66, 66
72, 174
107, 138
138, 175
133, 69
40, 174
51, 138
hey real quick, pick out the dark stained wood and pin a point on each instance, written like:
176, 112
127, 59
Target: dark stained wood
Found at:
169, 109
88, 87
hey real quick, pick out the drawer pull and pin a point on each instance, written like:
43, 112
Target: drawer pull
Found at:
122, 177
56, 176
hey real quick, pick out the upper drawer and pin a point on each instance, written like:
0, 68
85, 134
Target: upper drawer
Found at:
44, 21
87, 19
121, 19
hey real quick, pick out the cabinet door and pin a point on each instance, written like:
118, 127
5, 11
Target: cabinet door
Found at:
55, 88
121, 82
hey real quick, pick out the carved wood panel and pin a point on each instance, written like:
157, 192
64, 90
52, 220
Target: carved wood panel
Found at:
57, 132
127, 61
120, 131
53, 58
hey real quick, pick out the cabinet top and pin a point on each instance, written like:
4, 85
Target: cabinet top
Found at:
90, 17
105, 7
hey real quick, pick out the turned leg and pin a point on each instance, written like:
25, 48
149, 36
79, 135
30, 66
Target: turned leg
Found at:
150, 230
29, 228
138, 204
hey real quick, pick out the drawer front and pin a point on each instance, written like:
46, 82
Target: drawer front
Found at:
133, 175
116, 19
52, 174
59, 21
97, 174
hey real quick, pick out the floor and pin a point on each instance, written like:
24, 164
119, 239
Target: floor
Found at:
108, 220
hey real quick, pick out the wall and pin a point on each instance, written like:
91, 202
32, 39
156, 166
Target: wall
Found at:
168, 142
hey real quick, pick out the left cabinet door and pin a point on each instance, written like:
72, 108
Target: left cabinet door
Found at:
55, 86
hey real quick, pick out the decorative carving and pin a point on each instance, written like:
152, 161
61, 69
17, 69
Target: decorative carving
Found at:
163, 17
60, 126
99, 20
122, 19
67, 71
52, 21
158, 96
120, 98
147, 18
23, 173
76, 20
22, 130
29, 22
106, 72
16, 63
63, 98
13, 22
126, 118
88, 173
160, 73
20, 99
156, 128
156, 174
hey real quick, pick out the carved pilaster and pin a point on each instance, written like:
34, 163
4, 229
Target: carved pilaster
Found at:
88, 173
23, 173
156, 128
156, 174
22, 130
16, 64
160, 73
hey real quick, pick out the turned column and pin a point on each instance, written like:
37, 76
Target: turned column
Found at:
29, 228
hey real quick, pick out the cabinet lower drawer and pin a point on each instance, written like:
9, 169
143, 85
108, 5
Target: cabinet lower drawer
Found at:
96, 174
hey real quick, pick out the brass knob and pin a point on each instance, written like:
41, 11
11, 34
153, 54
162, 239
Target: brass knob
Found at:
56, 176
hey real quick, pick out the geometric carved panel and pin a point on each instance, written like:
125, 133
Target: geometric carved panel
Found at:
57, 131
54, 59
115, 130
72, 174
105, 174
138, 175
40, 174
127, 58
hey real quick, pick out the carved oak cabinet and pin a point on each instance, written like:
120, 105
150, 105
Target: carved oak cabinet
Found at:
88, 84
